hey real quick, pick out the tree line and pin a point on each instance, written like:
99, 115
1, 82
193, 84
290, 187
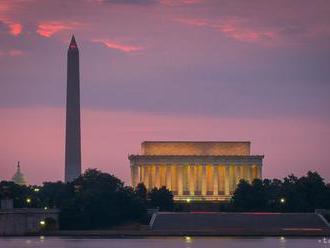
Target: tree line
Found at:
93, 200
98, 200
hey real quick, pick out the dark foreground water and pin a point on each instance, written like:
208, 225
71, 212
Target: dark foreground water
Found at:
184, 242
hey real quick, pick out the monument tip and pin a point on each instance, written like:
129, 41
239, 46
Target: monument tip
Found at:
73, 43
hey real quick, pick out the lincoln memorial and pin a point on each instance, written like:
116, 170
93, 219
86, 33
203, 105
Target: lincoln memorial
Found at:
195, 171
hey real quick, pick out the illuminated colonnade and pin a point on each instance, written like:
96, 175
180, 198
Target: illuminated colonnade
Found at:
199, 174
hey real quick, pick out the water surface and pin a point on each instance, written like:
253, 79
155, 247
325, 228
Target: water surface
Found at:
184, 242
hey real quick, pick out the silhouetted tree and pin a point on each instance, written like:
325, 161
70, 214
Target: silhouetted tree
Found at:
161, 198
141, 191
293, 194
52, 194
99, 200
19, 194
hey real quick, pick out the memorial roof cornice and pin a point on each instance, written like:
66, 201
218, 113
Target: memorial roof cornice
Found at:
196, 156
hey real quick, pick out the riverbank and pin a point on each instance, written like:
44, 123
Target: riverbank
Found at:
303, 232
209, 224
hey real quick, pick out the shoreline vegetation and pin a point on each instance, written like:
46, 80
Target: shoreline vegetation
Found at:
100, 201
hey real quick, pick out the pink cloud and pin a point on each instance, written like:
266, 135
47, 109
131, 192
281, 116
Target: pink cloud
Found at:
118, 45
15, 28
234, 29
48, 29
11, 52
240, 33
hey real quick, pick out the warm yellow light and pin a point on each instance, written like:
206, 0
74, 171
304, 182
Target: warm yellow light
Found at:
42, 222
187, 239
282, 200
36, 190
28, 200
188, 200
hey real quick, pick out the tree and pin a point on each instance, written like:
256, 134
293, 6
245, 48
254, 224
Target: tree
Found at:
161, 198
141, 191
99, 200
243, 199
22, 195
293, 194
52, 194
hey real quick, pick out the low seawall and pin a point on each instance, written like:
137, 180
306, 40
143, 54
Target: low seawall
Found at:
26, 221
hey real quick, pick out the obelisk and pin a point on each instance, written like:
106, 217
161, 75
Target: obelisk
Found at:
72, 132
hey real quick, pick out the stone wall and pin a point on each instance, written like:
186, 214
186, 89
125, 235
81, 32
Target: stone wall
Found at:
25, 221
195, 148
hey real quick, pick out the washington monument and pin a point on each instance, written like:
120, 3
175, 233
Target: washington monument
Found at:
72, 134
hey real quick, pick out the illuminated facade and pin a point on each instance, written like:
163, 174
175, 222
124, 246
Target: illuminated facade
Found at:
195, 171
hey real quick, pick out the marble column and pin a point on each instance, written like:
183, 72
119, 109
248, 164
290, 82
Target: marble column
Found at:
153, 175
191, 180
198, 175
157, 176
232, 181
168, 177
146, 176
259, 176
249, 173
227, 180
185, 179
209, 179
174, 181
254, 172
142, 174
215, 180
221, 176
204, 183
242, 175
161, 176
180, 180
135, 175
237, 176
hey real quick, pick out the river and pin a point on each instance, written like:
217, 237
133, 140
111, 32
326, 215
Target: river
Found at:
184, 242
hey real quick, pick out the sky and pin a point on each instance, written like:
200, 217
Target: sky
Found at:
165, 70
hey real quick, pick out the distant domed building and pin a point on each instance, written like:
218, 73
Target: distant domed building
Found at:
19, 178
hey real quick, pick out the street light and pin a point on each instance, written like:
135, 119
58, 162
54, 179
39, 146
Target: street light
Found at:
282, 200
28, 200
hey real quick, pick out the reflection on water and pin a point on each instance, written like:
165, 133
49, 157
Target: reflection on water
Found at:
184, 242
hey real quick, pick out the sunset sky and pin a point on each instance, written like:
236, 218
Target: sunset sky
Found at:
165, 70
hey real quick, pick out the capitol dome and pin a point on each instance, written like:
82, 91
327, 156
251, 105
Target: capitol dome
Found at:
19, 178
